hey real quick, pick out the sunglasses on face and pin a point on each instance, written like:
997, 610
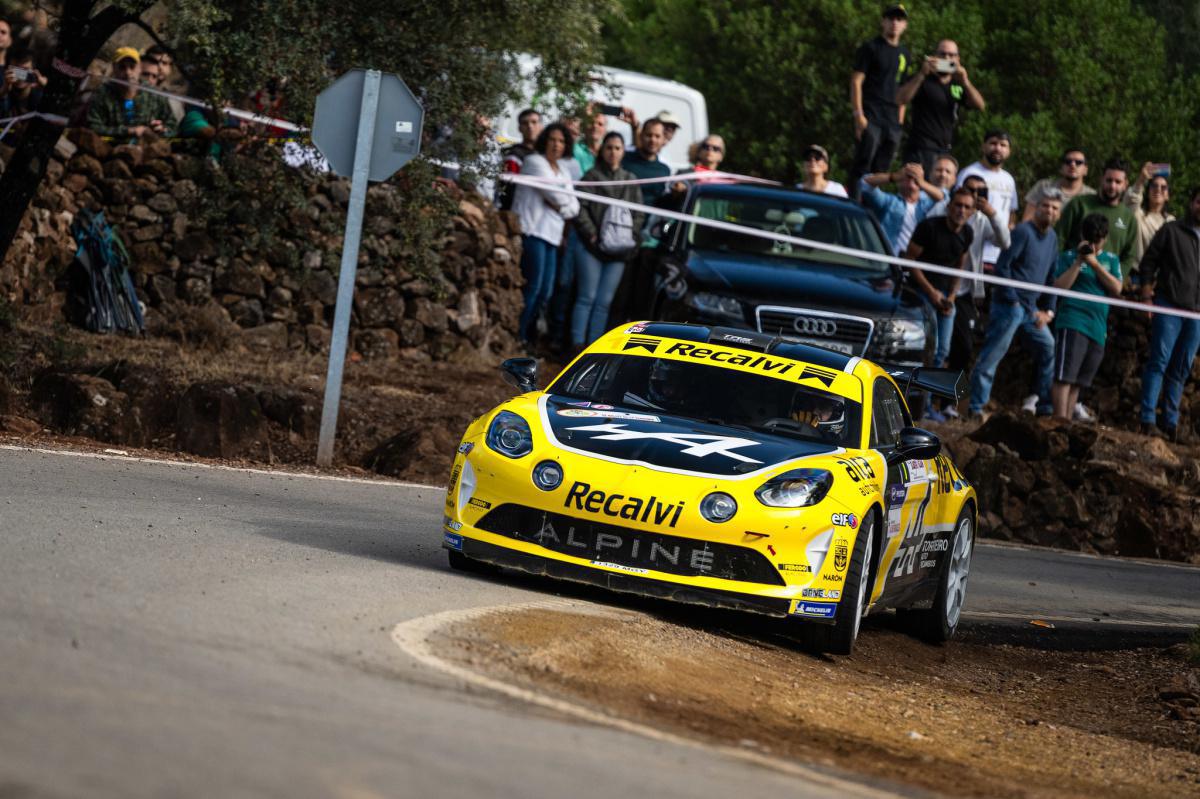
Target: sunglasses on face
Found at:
1074, 162
943, 54
1158, 187
716, 148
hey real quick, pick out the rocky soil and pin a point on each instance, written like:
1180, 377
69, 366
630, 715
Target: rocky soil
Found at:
983, 716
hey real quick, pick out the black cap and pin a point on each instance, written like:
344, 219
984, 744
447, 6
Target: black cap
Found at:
895, 10
998, 133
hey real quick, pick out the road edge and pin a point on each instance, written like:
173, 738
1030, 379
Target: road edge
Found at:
412, 638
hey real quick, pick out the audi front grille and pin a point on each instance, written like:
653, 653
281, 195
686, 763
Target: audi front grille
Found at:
842, 332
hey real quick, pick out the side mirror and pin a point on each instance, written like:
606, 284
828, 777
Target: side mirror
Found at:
915, 444
520, 372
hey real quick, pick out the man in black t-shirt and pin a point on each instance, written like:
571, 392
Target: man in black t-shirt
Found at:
943, 241
879, 66
936, 92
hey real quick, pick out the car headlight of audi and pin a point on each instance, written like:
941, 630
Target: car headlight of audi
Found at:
898, 335
797, 488
509, 435
716, 305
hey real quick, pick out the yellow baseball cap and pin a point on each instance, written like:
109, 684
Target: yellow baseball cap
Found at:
126, 52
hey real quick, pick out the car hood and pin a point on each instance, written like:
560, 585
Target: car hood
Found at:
762, 277
626, 434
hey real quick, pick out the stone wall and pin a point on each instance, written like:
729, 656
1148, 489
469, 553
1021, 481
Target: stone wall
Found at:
272, 297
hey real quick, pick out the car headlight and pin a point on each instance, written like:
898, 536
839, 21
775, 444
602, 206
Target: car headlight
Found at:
547, 475
898, 335
718, 507
717, 305
795, 489
509, 435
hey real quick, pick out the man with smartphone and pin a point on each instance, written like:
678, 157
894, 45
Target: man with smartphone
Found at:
22, 85
120, 110
936, 93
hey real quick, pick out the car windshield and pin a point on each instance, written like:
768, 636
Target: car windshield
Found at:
713, 394
825, 221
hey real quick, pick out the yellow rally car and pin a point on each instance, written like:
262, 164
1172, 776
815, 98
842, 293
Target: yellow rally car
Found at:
725, 468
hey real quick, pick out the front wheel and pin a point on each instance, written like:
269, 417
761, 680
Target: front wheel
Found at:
839, 638
938, 623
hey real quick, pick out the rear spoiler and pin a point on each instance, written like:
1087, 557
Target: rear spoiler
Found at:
946, 383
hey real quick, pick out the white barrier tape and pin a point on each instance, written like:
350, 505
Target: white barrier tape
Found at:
682, 177
8, 122
995, 280
233, 112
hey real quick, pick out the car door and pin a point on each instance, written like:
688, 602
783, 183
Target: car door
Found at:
909, 493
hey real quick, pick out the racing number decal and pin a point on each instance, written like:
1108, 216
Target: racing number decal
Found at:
944, 476
906, 556
858, 467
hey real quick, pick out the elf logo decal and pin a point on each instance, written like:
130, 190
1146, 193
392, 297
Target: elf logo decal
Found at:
721, 356
840, 556
641, 342
582, 497
811, 372
844, 520
697, 444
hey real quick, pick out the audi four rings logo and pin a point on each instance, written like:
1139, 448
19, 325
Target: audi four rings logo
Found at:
815, 327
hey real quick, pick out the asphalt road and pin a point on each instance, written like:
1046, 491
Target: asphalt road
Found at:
171, 630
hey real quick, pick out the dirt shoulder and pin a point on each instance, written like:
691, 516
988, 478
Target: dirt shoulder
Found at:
982, 716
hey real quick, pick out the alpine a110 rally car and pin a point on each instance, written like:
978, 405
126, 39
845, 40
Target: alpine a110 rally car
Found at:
725, 468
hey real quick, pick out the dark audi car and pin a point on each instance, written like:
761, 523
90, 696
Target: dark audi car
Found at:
850, 304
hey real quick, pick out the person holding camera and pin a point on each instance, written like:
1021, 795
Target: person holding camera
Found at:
936, 93
22, 85
1081, 327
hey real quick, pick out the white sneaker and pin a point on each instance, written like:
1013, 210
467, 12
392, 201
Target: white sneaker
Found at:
950, 412
1030, 404
1082, 414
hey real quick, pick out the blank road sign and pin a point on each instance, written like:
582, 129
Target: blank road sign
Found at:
397, 124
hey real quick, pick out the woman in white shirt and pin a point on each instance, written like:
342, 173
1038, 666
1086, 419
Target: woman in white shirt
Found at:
816, 169
542, 212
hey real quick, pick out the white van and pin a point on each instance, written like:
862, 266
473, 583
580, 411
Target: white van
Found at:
648, 96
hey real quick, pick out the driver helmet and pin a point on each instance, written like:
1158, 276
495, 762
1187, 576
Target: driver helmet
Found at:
824, 412
666, 383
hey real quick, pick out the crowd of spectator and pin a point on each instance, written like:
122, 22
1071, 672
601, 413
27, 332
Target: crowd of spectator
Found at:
1114, 239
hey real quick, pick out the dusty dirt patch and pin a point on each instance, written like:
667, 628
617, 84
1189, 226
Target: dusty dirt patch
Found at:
976, 718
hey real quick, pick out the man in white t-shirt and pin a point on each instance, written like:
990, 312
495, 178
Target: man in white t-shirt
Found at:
1002, 189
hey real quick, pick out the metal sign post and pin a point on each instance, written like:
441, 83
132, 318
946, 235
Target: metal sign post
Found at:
384, 136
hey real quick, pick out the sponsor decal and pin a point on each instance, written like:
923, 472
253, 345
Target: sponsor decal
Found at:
896, 495
735, 339
627, 546
600, 407
479, 503
821, 593
619, 567
760, 362
465, 448
453, 540
453, 525
917, 471
605, 414
935, 545
771, 549
641, 343
893, 522
794, 567
868, 489
696, 444
928, 563
813, 373
844, 520
822, 610
450, 489
841, 556
858, 468
832, 578
619, 506
579, 404
636, 329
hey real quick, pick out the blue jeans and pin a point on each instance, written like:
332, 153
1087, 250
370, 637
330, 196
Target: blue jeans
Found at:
1173, 344
945, 331
568, 264
1005, 320
538, 261
598, 281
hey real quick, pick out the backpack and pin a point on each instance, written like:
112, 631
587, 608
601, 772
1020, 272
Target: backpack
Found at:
100, 293
616, 232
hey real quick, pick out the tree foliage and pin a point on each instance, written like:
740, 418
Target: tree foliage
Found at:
1090, 73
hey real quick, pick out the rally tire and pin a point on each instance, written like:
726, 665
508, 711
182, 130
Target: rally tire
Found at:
460, 562
839, 638
938, 623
